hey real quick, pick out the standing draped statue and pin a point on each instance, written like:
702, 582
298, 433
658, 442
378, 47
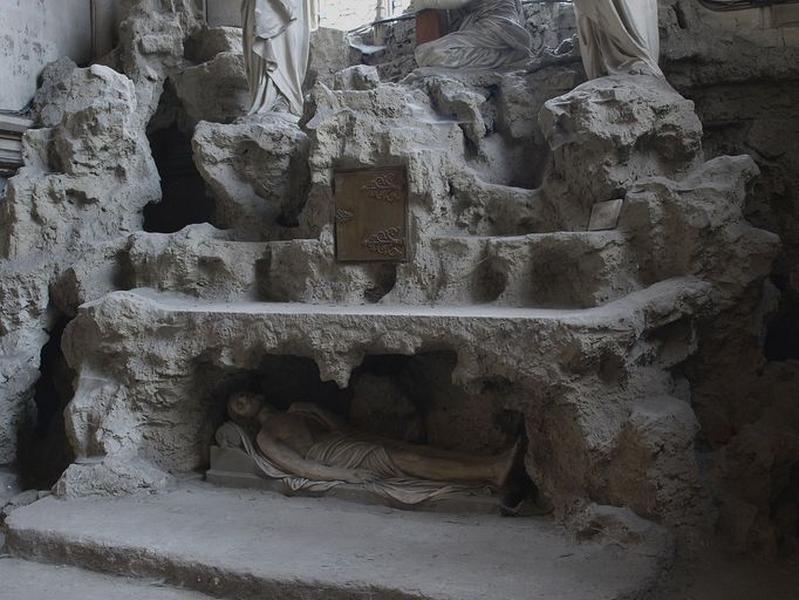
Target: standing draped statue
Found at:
277, 38
491, 36
618, 36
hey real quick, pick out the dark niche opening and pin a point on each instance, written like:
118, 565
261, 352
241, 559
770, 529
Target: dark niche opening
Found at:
44, 450
184, 199
785, 512
782, 334
410, 400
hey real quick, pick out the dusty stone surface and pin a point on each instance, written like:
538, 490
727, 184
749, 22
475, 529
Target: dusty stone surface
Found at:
357, 77
214, 91
20, 500
668, 349
617, 414
111, 477
701, 211
257, 170
35, 581
23, 290
742, 76
199, 261
329, 549
64, 193
381, 405
330, 53
307, 271
107, 416
743, 79
406, 124
63, 210
640, 126
756, 467
151, 47
206, 43
715, 575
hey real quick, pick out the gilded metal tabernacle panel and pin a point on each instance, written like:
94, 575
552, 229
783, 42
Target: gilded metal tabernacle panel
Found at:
372, 214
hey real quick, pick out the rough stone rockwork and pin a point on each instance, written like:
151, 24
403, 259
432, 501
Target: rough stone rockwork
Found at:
257, 169
595, 325
88, 174
152, 35
742, 76
618, 352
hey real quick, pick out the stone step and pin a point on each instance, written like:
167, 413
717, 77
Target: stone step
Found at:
558, 269
23, 580
247, 545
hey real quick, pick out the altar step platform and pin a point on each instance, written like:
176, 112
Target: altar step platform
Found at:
243, 545
25, 580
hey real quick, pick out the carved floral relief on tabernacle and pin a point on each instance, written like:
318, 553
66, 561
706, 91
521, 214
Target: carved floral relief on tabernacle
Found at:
388, 243
386, 187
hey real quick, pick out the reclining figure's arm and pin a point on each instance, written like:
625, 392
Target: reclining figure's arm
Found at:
291, 462
325, 417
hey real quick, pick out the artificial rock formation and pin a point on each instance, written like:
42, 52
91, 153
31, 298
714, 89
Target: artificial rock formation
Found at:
509, 313
77, 196
257, 170
152, 36
748, 356
594, 324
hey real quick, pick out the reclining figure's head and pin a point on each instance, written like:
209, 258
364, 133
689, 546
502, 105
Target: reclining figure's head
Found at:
244, 406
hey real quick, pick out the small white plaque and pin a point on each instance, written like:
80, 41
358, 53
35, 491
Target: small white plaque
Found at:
605, 215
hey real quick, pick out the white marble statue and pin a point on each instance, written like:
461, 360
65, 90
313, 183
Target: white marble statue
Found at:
491, 36
277, 37
618, 36
311, 449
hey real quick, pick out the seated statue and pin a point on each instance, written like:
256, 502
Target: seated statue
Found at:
491, 36
312, 449
618, 37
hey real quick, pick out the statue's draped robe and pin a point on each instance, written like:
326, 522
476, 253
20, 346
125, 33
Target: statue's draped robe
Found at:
277, 38
618, 36
491, 36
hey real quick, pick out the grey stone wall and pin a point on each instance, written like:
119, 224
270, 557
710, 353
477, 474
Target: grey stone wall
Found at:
37, 32
34, 33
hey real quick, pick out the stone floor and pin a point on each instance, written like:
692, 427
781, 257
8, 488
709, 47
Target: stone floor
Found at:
243, 544
714, 576
21, 580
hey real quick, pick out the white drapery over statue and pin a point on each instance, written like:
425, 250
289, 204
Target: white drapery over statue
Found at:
491, 36
618, 36
277, 41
